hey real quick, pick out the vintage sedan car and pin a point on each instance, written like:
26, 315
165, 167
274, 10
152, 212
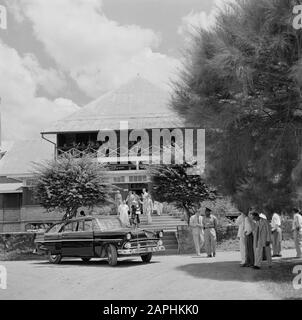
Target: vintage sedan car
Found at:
98, 237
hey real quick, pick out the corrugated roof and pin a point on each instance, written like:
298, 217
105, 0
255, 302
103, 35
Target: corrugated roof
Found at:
10, 187
19, 159
141, 103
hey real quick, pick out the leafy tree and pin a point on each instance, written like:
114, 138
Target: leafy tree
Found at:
67, 184
242, 81
173, 184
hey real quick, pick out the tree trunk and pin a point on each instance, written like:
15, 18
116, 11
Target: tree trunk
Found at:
187, 214
69, 213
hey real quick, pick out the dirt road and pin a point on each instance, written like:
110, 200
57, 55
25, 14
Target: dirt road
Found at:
166, 277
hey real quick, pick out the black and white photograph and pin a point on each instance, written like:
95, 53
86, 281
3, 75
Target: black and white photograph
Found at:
150, 150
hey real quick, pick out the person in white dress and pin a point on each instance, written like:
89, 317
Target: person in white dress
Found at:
276, 234
123, 210
149, 209
197, 231
158, 207
145, 196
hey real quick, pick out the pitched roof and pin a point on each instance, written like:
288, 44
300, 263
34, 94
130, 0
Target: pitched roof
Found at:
11, 187
6, 180
141, 103
18, 160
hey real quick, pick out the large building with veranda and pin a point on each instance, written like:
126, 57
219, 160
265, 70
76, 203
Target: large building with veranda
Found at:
125, 129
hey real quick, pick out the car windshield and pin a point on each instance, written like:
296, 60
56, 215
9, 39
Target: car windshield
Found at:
109, 224
55, 228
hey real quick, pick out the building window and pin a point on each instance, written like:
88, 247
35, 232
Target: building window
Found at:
119, 179
29, 198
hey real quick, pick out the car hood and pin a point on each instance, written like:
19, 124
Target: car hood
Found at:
135, 232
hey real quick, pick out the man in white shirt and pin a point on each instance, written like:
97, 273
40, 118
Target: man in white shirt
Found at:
297, 229
240, 223
276, 234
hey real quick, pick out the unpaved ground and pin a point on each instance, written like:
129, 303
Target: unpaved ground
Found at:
166, 277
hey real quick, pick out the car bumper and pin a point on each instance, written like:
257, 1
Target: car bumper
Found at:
140, 250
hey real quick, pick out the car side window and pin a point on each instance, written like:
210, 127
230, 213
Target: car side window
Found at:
69, 227
88, 225
81, 226
95, 225
54, 229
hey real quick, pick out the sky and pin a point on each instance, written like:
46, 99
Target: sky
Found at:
58, 55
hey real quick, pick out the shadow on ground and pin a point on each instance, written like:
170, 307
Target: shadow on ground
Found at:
277, 280
125, 263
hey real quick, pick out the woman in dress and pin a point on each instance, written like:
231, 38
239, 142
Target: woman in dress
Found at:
123, 213
149, 209
145, 196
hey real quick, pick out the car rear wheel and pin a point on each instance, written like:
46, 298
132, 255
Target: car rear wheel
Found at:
146, 257
86, 259
112, 255
54, 258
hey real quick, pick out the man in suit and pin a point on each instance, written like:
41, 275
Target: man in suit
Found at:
262, 240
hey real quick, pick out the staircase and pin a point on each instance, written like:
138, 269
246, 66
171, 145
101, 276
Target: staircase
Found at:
168, 223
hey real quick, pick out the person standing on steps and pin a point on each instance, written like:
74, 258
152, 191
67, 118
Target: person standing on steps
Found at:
149, 209
209, 222
123, 210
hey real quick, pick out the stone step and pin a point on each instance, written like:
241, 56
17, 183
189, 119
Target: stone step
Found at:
166, 252
169, 242
162, 218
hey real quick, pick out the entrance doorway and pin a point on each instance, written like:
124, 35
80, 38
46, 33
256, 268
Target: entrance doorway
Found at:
138, 187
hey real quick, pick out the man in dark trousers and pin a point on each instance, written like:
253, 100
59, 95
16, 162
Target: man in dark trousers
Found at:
249, 241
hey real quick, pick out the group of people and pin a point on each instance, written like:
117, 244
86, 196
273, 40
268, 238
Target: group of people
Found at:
261, 240
130, 209
204, 232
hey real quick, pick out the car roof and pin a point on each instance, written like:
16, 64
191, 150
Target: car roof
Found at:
92, 217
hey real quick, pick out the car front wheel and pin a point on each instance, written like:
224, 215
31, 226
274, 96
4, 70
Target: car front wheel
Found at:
146, 257
54, 258
112, 255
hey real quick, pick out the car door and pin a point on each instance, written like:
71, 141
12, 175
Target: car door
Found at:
53, 239
69, 239
85, 236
